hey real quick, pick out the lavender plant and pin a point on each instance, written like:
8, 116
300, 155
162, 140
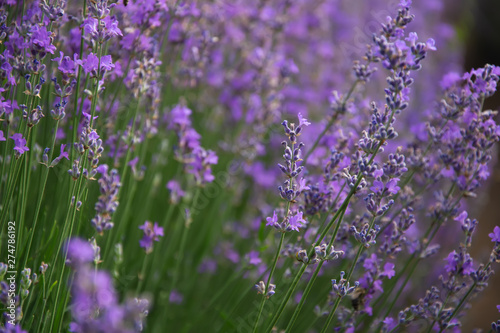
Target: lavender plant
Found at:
243, 166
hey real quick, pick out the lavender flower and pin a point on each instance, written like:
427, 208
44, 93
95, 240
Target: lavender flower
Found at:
343, 288
495, 235
19, 144
108, 201
261, 289
176, 192
95, 306
151, 233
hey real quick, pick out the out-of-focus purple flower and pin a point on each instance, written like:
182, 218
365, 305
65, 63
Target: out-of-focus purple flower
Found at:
371, 263
62, 154
133, 162
389, 324
451, 265
67, 65
79, 252
303, 121
495, 235
94, 303
388, 271
107, 29
151, 233
461, 217
459, 262
107, 63
180, 115
232, 255
41, 41
391, 186
377, 187
272, 221
9, 328
208, 265
449, 80
253, 258
109, 186
2, 137
175, 297
176, 191
295, 222
19, 144
91, 64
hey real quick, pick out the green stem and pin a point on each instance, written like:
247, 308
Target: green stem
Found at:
271, 273
330, 316
40, 195
142, 276
289, 293
331, 122
313, 279
180, 254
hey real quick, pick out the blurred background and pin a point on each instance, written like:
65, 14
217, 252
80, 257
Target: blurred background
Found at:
479, 21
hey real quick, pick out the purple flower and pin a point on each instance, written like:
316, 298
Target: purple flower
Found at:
253, 258
272, 221
175, 297
392, 186
452, 264
19, 144
109, 186
371, 263
180, 115
41, 40
232, 255
295, 222
108, 29
151, 233
498, 308
2, 138
79, 252
133, 162
107, 63
176, 191
377, 187
67, 65
389, 324
62, 155
461, 217
388, 270
302, 186
208, 265
91, 64
495, 235
9, 328
460, 262
303, 121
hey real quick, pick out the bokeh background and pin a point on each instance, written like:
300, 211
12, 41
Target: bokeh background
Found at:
480, 23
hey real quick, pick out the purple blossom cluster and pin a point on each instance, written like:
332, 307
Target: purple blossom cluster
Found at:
95, 304
152, 232
109, 185
198, 161
381, 177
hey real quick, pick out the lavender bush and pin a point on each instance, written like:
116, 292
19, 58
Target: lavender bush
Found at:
241, 166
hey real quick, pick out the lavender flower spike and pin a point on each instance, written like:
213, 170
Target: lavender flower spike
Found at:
151, 233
